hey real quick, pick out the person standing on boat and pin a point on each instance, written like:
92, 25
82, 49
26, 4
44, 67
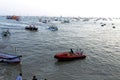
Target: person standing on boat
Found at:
71, 51
19, 77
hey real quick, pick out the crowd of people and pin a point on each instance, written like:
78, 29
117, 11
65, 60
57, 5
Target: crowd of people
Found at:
19, 77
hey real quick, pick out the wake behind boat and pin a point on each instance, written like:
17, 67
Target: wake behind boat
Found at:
9, 58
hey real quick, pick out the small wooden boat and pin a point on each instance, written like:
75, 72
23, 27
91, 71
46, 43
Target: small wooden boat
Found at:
9, 58
64, 56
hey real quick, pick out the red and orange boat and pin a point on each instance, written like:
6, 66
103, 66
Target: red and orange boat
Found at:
64, 56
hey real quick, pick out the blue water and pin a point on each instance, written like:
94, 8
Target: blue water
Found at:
101, 44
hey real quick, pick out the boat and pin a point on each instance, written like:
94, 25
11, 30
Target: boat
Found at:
6, 33
53, 28
31, 28
9, 58
17, 18
65, 56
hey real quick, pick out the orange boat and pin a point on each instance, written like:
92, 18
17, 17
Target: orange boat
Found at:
64, 56
17, 18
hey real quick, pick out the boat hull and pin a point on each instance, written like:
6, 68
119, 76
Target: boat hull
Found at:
66, 56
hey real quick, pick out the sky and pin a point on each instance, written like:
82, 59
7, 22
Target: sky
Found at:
81, 8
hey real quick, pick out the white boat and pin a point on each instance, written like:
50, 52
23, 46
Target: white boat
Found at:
9, 58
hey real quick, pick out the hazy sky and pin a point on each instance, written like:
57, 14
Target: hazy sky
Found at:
83, 8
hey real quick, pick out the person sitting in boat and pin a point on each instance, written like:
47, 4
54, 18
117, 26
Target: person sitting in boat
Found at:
77, 51
30, 26
81, 51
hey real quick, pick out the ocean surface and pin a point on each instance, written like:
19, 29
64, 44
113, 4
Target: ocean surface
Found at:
101, 45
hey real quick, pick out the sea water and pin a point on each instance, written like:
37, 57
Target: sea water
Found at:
101, 45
